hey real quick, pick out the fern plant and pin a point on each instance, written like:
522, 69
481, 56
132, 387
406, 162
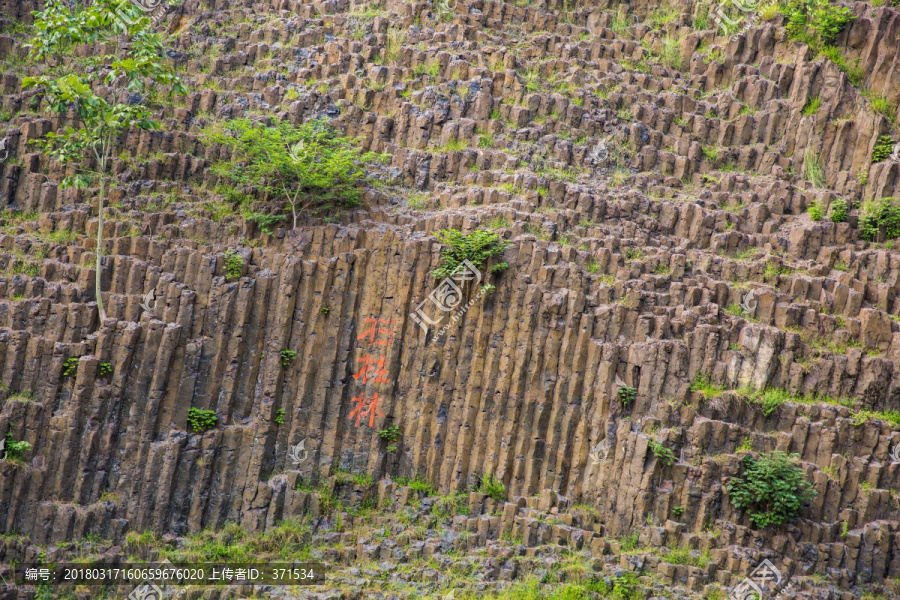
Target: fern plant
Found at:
476, 247
627, 394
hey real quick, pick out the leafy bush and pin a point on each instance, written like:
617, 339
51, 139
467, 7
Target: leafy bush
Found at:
287, 357
451, 505
200, 420
663, 454
815, 22
305, 165
265, 221
70, 367
884, 146
815, 211
104, 369
493, 487
772, 489
15, 450
279, 416
391, 433
880, 218
812, 106
838, 211
233, 265
476, 247
627, 394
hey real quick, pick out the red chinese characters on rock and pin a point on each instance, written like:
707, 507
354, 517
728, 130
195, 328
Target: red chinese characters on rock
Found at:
372, 369
366, 407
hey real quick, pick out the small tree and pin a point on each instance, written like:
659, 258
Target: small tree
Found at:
772, 488
306, 164
99, 120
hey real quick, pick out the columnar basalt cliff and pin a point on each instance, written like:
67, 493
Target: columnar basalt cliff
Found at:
661, 239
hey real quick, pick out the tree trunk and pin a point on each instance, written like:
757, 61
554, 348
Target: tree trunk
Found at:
99, 249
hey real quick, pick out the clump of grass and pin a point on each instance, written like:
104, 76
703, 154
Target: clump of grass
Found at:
703, 386
811, 107
813, 171
882, 105
854, 70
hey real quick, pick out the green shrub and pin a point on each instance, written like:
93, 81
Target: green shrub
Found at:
879, 218
891, 416
422, 486
70, 367
493, 487
838, 211
884, 146
815, 22
627, 394
391, 433
279, 416
233, 265
677, 510
201, 420
663, 454
476, 247
772, 488
815, 211
104, 369
451, 505
15, 450
265, 221
812, 106
882, 105
305, 165
287, 357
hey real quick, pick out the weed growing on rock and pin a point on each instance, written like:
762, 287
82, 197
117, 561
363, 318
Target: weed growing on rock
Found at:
891, 416
493, 487
279, 416
838, 211
200, 420
772, 488
627, 394
663, 454
234, 263
15, 450
815, 22
854, 70
879, 220
287, 357
883, 148
390, 434
70, 367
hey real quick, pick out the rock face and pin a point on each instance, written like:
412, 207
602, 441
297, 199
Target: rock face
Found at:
660, 241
